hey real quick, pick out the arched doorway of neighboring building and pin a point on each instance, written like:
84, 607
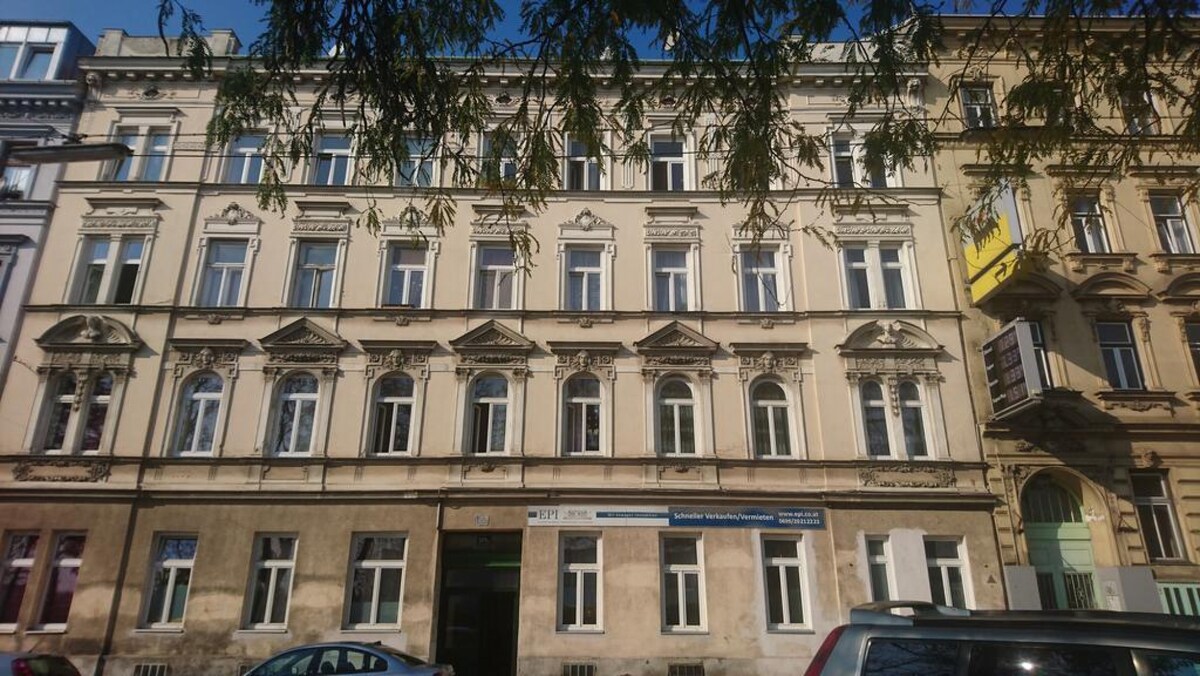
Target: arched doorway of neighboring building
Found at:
1060, 544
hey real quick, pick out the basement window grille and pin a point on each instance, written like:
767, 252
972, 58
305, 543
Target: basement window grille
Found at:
150, 669
243, 668
577, 669
685, 670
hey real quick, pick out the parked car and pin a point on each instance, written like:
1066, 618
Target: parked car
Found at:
347, 658
34, 664
920, 639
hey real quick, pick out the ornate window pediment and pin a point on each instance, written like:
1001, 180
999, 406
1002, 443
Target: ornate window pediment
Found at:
492, 345
302, 343
895, 347
89, 341
201, 354
410, 356
121, 215
1110, 294
1184, 289
498, 220
586, 225
676, 346
756, 359
232, 220
573, 357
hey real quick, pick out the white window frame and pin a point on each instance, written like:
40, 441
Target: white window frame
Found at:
378, 566
977, 109
849, 147
246, 154
110, 278
680, 570
1174, 230
297, 267
143, 130
945, 564
1146, 126
782, 254
492, 402
579, 570
789, 405
27, 563
884, 560
394, 402
1155, 501
71, 562
223, 269
416, 161
570, 158
274, 565
205, 401
1089, 224
874, 265
405, 269
697, 421
892, 407
172, 566
278, 398
797, 562
690, 282
683, 161
600, 271
518, 282
348, 154
599, 402
506, 161
1120, 349
29, 39
82, 400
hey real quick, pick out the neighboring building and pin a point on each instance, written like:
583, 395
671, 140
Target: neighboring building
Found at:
664, 447
1098, 475
40, 101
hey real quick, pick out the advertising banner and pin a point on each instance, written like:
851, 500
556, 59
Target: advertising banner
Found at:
804, 518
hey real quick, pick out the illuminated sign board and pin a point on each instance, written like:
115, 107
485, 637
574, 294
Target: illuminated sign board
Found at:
994, 257
1010, 361
804, 518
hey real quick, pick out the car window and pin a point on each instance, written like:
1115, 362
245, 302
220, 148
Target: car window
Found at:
403, 657
341, 660
905, 657
1024, 659
50, 665
295, 663
1172, 664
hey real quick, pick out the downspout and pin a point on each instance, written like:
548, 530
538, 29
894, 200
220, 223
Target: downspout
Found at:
114, 606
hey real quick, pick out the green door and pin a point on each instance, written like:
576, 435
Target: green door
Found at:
1060, 546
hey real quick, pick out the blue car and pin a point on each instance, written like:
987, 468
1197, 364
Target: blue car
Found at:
347, 658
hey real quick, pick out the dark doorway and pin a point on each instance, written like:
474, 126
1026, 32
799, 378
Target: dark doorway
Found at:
477, 614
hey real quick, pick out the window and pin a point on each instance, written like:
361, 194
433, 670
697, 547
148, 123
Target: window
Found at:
1174, 233
666, 164
271, 584
499, 157
1088, 222
149, 147
944, 561
246, 159
1137, 111
769, 418
296, 412
58, 419
904, 426
170, 581
393, 416
782, 575
416, 171
583, 172
579, 593
849, 168
63, 578
157, 147
19, 555
979, 108
581, 415
683, 583
876, 276
27, 57
670, 280
37, 62
993, 658
224, 270
489, 415
316, 265
879, 569
911, 657
70, 428
1156, 515
376, 580
760, 280
1119, 355
198, 411
843, 163
332, 163
1040, 353
110, 270
495, 288
405, 276
8, 59
17, 177
585, 275
676, 418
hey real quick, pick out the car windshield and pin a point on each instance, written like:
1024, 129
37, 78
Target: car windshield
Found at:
403, 657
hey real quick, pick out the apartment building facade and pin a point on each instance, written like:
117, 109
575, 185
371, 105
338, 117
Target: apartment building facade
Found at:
666, 445
1084, 368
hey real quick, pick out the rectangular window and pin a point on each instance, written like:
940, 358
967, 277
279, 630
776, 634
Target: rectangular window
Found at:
670, 280
64, 576
581, 410
37, 62
119, 170
8, 59
499, 162
416, 171
1174, 233
979, 108
19, 555
579, 590
154, 160
944, 562
316, 265
583, 172
246, 160
1137, 110
1039, 352
271, 585
171, 579
405, 276
223, 273
104, 278
760, 280
858, 277
783, 571
879, 569
843, 163
1087, 220
1193, 341
128, 266
666, 164
1119, 355
149, 148
93, 265
17, 177
332, 163
1156, 515
926, 656
495, 287
682, 583
376, 580
893, 276
584, 278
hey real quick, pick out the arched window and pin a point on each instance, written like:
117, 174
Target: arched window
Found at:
1046, 501
676, 418
393, 415
769, 417
59, 415
297, 413
874, 411
581, 415
99, 395
489, 415
198, 409
912, 418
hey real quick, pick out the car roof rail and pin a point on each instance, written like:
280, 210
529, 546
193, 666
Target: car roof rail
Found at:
883, 612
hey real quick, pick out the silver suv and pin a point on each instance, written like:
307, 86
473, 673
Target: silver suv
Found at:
920, 639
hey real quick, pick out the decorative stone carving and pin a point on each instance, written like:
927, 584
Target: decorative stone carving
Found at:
586, 221
234, 214
86, 342
492, 345
333, 227
207, 355
676, 346
302, 343
909, 475
62, 470
769, 358
1056, 446
577, 357
871, 230
411, 356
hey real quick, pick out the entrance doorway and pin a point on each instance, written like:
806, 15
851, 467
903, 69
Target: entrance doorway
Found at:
1060, 545
477, 611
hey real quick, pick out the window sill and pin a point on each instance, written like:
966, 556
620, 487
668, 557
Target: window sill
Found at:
1079, 261
259, 631
791, 630
562, 631
392, 629
170, 631
1166, 262
684, 632
1137, 400
42, 631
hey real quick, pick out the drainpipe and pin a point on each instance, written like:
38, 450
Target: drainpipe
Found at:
114, 606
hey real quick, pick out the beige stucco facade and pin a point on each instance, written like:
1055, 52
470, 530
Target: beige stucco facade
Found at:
138, 479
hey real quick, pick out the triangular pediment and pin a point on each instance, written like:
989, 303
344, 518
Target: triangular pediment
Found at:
491, 336
302, 334
675, 337
889, 336
90, 333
